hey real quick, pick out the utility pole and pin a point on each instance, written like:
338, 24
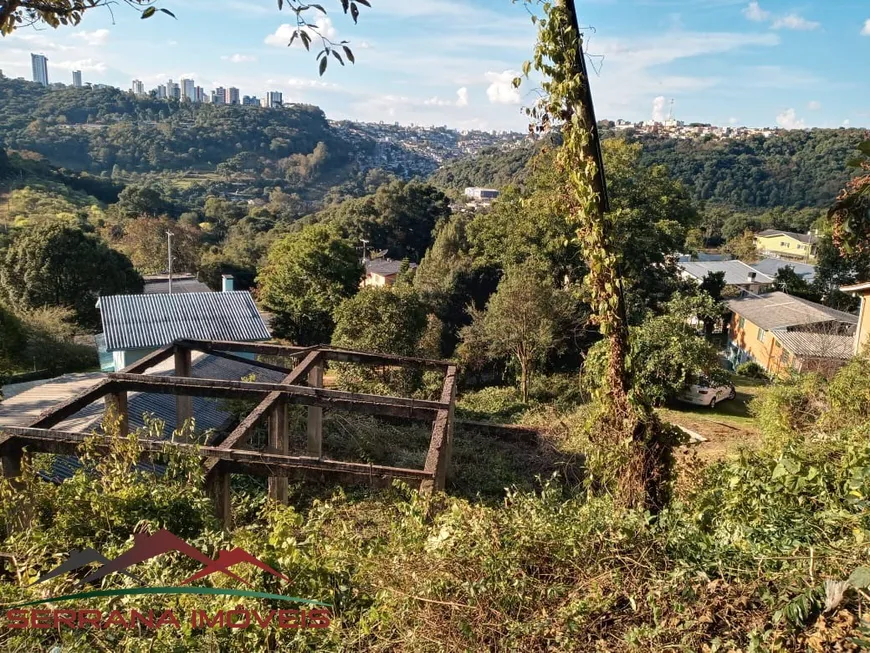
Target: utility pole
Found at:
364, 242
169, 235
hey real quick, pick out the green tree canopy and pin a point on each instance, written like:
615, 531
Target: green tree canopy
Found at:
521, 320
385, 320
307, 275
399, 217
57, 265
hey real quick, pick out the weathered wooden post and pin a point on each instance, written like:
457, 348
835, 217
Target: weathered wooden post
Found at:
315, 414
217, 486
441, 446
117, 412
279, 442
183, 405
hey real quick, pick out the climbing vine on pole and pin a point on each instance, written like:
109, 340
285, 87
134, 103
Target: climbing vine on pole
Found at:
634, 448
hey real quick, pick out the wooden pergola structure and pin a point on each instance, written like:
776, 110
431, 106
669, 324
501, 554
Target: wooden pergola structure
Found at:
302, 385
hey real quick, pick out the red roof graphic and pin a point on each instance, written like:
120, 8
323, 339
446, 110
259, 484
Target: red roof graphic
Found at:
227, 559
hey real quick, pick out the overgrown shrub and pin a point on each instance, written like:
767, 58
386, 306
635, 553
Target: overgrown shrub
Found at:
751, 370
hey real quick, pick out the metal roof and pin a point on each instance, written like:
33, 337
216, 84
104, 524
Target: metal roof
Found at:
159, 283
209, 414
804, 238
817, 345
770, 266
148, 321
777, 310
736, 272
385, 267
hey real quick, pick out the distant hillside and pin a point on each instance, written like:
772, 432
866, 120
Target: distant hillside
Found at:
795, 169
492, 167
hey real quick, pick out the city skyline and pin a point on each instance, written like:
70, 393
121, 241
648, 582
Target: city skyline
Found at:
762, 63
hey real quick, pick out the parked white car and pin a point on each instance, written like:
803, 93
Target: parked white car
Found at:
705, 393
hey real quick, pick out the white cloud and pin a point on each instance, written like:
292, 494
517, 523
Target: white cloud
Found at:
239, 58
788, 120
793, 21
501, 89
85, 65
296, 82
462, 97
815, 105
847, 123
97, 37
281, 37
659, 112
755, 13
865, 31
732, 120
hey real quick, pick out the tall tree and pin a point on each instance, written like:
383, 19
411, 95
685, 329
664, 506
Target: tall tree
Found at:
57, 265
521, 320
145, 241
307, 275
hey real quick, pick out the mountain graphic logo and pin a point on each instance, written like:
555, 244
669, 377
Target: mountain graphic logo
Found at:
147, 547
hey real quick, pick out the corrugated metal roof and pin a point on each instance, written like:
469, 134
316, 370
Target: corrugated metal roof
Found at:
777, 310
770, 266
181, 284
147, 321
736, 272
817, 345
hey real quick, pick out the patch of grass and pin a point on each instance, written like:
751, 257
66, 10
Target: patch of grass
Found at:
735, 412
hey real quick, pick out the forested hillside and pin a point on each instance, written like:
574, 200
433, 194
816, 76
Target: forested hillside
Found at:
791, 169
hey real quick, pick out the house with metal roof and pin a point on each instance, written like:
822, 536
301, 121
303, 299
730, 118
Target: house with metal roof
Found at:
781, 332
136, 325
737, 274
786, 244
383, 272
771, 266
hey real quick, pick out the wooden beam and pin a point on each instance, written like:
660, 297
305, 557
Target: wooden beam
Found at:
117, 413
249, 361
246, 347
235, 461
315, 414
370, 358
279, 442
183, 403
441, 444
241, 433
418, 409
151, 360
332, 353
70, 407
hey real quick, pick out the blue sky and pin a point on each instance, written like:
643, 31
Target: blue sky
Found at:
795, 64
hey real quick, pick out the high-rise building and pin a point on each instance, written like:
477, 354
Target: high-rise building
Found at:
188, 90
273, 99
173, 90
233, 95
77, 78
219, 95
199, 95
161, 92
138, 88
251, 101
40, 68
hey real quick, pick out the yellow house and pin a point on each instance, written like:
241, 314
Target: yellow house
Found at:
862, 337
781, 333
785, 244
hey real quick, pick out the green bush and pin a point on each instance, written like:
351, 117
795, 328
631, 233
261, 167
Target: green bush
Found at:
751, 370
492, 404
